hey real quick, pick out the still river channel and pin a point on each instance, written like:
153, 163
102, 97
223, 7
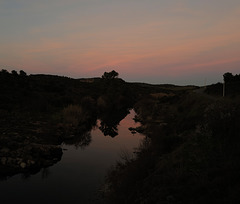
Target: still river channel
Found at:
79, 174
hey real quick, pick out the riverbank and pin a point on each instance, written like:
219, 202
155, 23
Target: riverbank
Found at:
40, 112
190, 154
82, 169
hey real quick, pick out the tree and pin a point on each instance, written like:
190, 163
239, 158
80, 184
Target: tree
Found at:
110, 75
237, 77
22, 73
14, 72
4, 71
227, 77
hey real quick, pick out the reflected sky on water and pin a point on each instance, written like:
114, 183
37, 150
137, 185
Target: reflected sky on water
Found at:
76, 178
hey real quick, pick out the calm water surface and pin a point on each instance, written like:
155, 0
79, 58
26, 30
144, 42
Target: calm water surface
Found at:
76, 178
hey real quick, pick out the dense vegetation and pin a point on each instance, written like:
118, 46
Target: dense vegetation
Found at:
230, 88
39, 112
192, 145
191, 152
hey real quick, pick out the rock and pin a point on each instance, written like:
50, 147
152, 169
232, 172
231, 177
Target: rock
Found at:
27, 157
19, 160
23, 165
31, 162
3, 160
4, 150
9, 160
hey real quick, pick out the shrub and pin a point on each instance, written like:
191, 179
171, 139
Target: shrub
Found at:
72, 115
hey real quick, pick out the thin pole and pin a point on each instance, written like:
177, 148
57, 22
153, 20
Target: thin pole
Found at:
224, 88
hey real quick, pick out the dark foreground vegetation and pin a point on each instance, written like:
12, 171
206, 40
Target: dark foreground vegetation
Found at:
190, 153
40, 112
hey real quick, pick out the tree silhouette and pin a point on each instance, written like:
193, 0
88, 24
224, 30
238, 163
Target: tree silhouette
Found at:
227, 77
110, 75
4, 71
109, 129
14, 72
22, 73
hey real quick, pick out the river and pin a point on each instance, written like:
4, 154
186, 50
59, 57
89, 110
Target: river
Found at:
79, 174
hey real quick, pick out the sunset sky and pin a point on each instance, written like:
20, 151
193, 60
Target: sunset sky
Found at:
154, 41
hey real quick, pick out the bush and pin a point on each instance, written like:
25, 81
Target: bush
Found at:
72, 115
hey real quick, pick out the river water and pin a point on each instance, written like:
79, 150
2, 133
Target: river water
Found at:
79, 174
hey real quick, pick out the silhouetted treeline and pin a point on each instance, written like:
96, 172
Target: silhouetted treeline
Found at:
46, 93
229, 77
231, 86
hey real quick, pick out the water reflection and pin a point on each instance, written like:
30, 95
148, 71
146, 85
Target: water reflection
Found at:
82, 140
29, 159
109, 129
32, 158
108, 124
45, 173
79, 173
110, 121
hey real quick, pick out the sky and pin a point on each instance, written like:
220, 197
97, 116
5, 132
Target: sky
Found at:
154, 41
